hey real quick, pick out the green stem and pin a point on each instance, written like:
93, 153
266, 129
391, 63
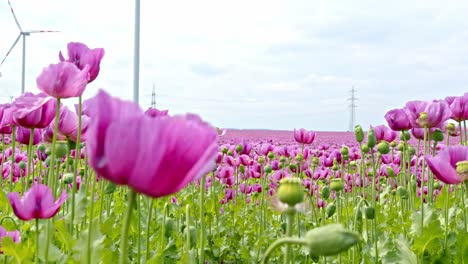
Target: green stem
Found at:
290, 212
148, 226
36, 257
202, 220
125, 227
77, 158
187, 228
446, 189
287, 240
30, 156
91, 220
54, 141
426, 132
13, 150
138, 202
3, 159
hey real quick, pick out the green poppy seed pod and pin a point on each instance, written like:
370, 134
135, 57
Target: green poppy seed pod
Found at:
330, 240
315, 161
401, 146
370, 212
358, 223
325, 192
261, 160
462, 169
405, 136
82, 172
224, 150
48, 152
383, 147
230, 153
365, 148
451, 127
335, 167
358, 133
291, 191
282, 159
331, 209
239, 148
371, 139
71, 144
168, 227
336, 185
393, 144
436, 185
344, 150
437, 136
61, 149
390, 172
41, 148
271, 155
402, 192
242, 168
345, 157
70, 161
22, 165
67, 178
299, 157
293, 167
268, 169
423, 119
411, 150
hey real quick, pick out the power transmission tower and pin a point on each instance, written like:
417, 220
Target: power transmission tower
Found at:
352, 106
153, 97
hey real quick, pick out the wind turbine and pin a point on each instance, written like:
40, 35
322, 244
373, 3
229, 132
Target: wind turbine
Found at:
21, 34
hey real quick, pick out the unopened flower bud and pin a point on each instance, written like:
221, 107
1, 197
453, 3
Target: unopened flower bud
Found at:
383, 147
344, 150
411, 150
48, 152
436, 185
330, 240
345, 157
291, 191
325, 192
61, 149
224, 150
401, 146
271, 155
22, 165
67, 178
370, 212
239, 148
331, 208
393, 144
268, 169
437, 136
299, 157
293, 167
390, 172
261, 160
242, 168
402, 192
405, 136
451, 127
371, 139
365, 148
230, 153
282, 159
358, 133
41, 148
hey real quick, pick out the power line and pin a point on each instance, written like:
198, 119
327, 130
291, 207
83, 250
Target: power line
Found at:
352, 106
153, 97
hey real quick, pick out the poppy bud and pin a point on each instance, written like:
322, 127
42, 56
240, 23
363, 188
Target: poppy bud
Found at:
383, 147
365, 148
405, 136
239, 148
330, 240
271, 155
371, 139
331, 208
268, 169
67, 178
370, 212
358, 133
336, 185
325, 192
437, 136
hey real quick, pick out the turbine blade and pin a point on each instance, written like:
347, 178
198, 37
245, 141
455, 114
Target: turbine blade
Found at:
41, 31
8, 53
14, 16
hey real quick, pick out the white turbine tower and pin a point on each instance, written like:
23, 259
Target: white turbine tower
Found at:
21, 34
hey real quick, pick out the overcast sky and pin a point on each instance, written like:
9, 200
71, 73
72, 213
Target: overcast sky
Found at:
255, 64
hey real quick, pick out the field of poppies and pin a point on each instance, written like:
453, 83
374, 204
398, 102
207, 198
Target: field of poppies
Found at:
110, 182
